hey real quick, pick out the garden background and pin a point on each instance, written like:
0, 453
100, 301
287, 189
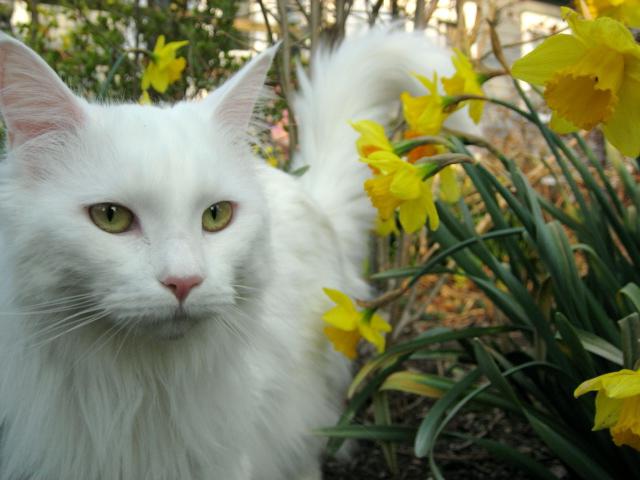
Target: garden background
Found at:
527, 284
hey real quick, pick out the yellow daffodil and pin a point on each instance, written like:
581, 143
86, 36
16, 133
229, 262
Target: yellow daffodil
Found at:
372, 138
625, 11
421, 151
449, 187
400, 185
465, 82
144, 98
386, 227
164, 68
591, 77
617, 405
425, 114
347, 325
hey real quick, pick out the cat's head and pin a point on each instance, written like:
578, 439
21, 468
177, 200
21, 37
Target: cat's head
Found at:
150, 218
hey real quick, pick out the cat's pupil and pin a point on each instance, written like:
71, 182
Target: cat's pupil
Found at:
111, 212
214, 212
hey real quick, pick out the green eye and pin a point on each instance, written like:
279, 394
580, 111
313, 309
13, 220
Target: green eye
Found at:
110, 217
217, 216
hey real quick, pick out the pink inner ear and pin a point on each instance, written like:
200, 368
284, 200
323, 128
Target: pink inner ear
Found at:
33, 99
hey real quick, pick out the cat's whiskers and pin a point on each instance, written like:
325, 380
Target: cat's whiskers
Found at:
66, 299
240, 330
80, 323
130, 327
66, 308
69, 319
104, 338
245, 287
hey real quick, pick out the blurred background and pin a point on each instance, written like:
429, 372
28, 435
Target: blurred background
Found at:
101, 47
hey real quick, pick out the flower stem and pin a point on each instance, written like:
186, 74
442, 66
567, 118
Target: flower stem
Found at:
114, 68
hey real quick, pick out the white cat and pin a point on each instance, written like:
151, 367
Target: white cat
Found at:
136, 344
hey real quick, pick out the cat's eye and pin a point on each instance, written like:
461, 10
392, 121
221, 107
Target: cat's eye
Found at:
217, 216
110, 217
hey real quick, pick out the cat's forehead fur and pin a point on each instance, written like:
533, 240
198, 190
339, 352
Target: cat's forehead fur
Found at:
177, 153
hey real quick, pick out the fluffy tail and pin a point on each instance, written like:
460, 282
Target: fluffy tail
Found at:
362, 79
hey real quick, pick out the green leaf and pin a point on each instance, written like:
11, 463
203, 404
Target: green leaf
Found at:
630, 329
632, 292
491, 370
398, 351
382, 416
361, 397
510, 455
428, 267
567, 450
384, 433
426, 435
298, 172
600, 347
581, 360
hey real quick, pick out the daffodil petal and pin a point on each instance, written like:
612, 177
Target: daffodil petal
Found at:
175, 68
144, 98
623, 385
602, 31
412, 215
623, 128
626, 431
554, 54
406, 183
341, 318
607, 411
159, 44
339, 298
343, 342
372, 137
159, 80
380, 324
597, 383
386, 162
372, 336
385, 227
454, 85
449, 187
430, 206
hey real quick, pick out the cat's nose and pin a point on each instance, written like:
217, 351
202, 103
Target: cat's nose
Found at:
181, 286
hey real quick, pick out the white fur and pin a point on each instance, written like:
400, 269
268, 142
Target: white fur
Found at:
98, 377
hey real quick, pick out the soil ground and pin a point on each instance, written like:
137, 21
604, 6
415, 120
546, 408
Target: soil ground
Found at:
457, 459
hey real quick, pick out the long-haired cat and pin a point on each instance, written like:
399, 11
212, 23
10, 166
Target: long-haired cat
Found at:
161, 289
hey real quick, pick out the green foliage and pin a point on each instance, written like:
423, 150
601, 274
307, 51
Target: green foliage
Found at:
83, 40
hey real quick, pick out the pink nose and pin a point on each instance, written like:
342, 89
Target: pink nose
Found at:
181, 286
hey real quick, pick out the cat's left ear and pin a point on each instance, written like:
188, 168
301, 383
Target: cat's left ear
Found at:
33, 99
234, 102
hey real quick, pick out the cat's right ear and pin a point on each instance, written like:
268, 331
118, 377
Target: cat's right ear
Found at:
33, 99
233, 103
